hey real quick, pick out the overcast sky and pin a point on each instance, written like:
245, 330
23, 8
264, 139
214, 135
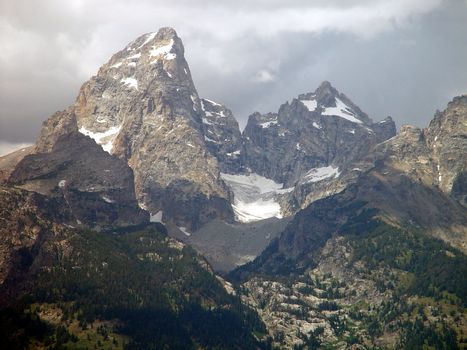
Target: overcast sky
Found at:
404, 58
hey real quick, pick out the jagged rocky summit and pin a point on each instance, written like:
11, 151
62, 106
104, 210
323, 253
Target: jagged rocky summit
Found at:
143, 109
315, 130
372, 218
191, 163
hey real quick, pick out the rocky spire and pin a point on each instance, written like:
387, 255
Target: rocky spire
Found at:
143, 107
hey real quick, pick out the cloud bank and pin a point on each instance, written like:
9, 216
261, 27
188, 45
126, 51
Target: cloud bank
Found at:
403, 58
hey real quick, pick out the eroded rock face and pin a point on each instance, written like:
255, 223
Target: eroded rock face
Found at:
143, 108
446, 136
315, 144
59, 124
223, 137
399, 180
315, 130
94, 187
436, 155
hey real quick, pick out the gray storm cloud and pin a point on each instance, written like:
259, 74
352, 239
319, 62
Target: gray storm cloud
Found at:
404, 58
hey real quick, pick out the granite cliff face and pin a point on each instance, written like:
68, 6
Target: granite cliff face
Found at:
312, 145
94, 188
315, 130
402, 217
447, 141
142, 107
399, 180
223, 137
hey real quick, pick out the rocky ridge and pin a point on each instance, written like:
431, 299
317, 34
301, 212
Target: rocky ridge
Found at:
96, 188
398, 205
143, 108
315, 130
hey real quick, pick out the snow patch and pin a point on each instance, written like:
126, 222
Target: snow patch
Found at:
310, 104
212, 102
163, 50
107, 199
343, 111
149, 37
131, 64
220, 114
233, 154
209, 140
254, 196
185, 231
157, 217
207, 122
170, 56
135, 56
116, 65
104, 139
316, 125
131, 82
193, 99
258, 210
62, 183
319, 174
268, 124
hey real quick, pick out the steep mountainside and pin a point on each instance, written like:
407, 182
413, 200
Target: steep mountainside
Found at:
312, 145
96, 188
399, 230
70, 288
143, 108
223, 137
316, 130
342, 234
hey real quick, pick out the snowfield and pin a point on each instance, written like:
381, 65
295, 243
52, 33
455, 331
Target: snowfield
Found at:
319, 174
343, 111
254, 196
104, 139
310, 104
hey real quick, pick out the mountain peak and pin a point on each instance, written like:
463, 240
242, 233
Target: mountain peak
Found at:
325, 85
167, 32
152, 47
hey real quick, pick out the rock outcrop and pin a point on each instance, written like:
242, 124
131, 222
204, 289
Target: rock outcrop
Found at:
446, 137
95, 188
315, 130
223, 137
143, 108
400, 182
